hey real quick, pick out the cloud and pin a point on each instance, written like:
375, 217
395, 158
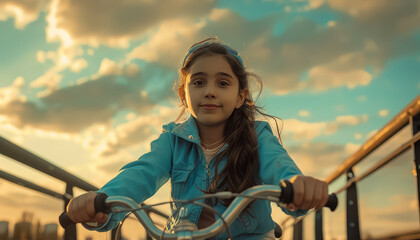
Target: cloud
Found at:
112, 167
140, 130
12, 93
50, 81
371, 133
168, 44
65, 57
318, 159
358, 136
24, 12
304, 113
109, 67
74, 108
344, 121
78, 65
397, 17
287, 56
304, 131
383, 113
343, 50
300, 130
332, 75
333, 55
117, 22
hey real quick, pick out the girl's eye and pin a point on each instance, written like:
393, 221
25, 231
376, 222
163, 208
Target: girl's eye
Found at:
223, 84
198, 82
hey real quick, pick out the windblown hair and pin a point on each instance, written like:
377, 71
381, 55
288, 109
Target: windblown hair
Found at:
243, 164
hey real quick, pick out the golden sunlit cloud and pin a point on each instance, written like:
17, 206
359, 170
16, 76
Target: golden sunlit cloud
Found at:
166, 45
303, 130
40, 56
316, 3
304, 113
53, 32
306, 131
383, 113
358, 136
23, 14
50, 81
12, 93
78, 65
319, 159
140, 130
218, 14
371, 133
109, 67
130, 116
351, 148
339, 73
352, 120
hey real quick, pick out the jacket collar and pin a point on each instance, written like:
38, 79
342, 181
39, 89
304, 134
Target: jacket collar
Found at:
188, 130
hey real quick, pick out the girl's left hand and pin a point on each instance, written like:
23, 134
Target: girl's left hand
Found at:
308, 193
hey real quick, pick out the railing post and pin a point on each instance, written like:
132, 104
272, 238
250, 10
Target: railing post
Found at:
298, 230
353, 231
318, 225
415, 120
70, 232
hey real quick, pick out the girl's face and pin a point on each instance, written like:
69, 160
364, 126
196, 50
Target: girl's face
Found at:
212, 90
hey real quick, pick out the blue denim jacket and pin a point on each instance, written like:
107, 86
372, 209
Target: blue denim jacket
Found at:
177, 155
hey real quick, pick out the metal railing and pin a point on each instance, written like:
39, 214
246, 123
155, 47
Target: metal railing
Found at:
25, 157
409, 116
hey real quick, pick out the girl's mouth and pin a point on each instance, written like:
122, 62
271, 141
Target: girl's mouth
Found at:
209, 106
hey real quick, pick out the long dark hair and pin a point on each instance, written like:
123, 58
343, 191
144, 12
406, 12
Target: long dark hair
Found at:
243, 164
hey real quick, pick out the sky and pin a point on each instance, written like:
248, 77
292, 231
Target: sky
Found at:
88, 84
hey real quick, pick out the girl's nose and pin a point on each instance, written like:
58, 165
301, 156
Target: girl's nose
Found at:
210, 91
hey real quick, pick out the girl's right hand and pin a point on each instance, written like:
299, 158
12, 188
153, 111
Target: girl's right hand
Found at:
81, 209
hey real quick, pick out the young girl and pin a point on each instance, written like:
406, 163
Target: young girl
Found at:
219, 148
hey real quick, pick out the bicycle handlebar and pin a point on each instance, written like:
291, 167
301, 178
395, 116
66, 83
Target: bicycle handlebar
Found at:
282, 194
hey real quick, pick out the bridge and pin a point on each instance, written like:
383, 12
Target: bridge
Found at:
377, 186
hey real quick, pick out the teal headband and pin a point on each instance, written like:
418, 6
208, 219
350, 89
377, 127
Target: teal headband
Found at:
230, 50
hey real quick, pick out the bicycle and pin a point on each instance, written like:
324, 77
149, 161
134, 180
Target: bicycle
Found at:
282, 195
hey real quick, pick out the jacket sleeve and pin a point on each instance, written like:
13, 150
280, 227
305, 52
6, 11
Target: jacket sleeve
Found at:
275, 162
140, 179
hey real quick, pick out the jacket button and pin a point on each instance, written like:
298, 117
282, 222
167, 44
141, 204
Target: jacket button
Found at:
190, 137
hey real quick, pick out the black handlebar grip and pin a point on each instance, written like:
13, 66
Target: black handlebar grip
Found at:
332, 202
286, 192
65, 220
99, 204
287, 195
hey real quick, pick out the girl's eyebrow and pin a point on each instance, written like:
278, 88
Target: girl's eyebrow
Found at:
217, 74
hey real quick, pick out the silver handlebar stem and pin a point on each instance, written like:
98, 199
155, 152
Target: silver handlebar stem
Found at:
230, 214
236, 207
